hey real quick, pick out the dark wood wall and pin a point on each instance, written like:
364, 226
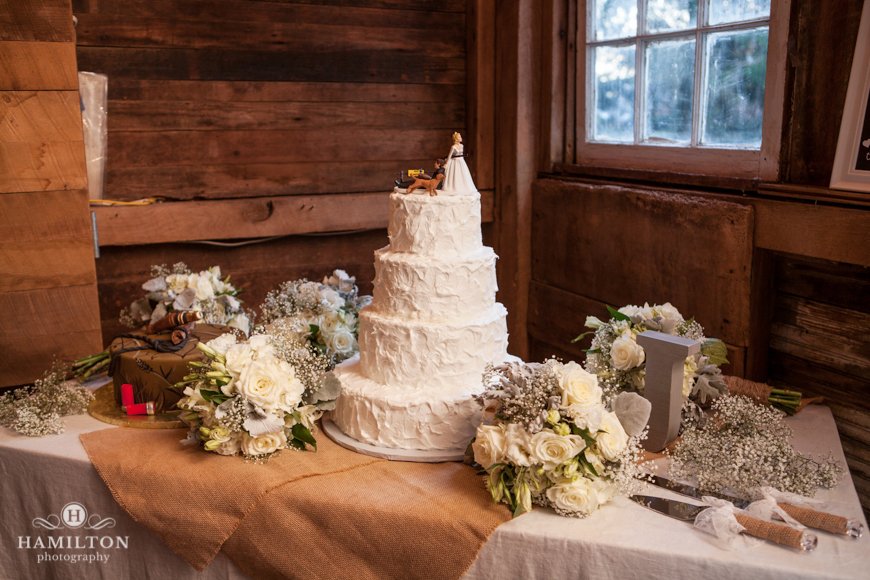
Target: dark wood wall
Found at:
300, 107
48, 295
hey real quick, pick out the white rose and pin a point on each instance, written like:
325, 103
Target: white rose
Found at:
630, 310
594, 460
264, 443
489, 445
261, 345
604, 490
625, 353
552, 450
342, 341
574, 497
578, 386
517, 449
265, 382
689, 369
204, 288
331, 298
587, 417
329, 322
292, 395
671, 317
612, 438
176, 282
231, 446
222, 343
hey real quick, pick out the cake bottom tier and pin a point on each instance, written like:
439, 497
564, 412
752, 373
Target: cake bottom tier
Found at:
403, 418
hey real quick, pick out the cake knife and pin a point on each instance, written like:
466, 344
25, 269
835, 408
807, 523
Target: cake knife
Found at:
809, 517
773, 532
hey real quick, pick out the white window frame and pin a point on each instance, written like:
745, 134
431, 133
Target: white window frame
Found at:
745, 164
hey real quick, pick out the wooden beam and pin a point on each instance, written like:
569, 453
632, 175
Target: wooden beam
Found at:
232, 219
481, 92
41, 20
517, 25
817, 231
38, 66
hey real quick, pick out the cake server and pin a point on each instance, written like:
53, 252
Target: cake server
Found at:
770, 531
809, 517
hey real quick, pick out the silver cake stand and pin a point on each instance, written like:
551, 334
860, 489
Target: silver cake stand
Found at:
416, 455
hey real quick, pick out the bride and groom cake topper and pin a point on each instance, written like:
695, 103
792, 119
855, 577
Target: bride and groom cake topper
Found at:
451, 173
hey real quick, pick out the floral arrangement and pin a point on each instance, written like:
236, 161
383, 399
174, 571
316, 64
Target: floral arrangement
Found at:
618, 360
256, 396
552, 441
179, 288
741, 446
325, 313
37, 411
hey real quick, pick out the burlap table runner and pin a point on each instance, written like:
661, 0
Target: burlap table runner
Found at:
330, 513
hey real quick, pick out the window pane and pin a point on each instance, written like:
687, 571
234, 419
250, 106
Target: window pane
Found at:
613, 119
669, 73
736, 10
614, 19
667, 15
734, 91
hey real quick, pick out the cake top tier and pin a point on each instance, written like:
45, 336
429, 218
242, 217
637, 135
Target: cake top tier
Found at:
447, 226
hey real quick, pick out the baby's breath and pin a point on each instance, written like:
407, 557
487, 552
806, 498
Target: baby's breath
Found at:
742, 446
36, 411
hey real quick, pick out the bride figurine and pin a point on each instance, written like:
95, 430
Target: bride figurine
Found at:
457, 178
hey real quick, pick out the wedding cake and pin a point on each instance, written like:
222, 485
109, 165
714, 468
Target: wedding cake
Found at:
432, 328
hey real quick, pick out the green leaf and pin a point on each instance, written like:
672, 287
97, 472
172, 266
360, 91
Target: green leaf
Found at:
313, 329
582, 336
593, 350
297, 444
584, 463
715, 351
617, 315
585, 434
302, 433
215, 397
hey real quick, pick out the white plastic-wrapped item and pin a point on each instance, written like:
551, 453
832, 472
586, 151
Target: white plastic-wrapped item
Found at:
94, 88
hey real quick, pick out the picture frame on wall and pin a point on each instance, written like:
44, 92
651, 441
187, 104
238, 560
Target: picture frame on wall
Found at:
852, 160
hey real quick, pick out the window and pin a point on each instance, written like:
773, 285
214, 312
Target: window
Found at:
683, 86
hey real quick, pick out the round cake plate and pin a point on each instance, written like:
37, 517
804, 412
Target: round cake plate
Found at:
104, 408
416, 455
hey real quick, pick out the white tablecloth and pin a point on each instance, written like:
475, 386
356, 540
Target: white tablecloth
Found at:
39, 477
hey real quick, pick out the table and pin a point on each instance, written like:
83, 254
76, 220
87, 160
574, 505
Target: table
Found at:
39, 477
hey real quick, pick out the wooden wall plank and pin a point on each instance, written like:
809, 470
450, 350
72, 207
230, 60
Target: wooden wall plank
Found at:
41, 324
830, 233
190, 115
480, 142
253, 91
625, 245
260, 65
305, 10
40, 20
46, 241
41, 142
30, 65
287, 35
255, 268
250, 218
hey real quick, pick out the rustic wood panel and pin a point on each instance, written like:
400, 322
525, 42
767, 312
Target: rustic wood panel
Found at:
480, 142
819, 231
41, 143
307, 10
275, 92
262, 65
41, 20
40, 324
822, 44
624, 245
271, 116
255, 268
557, 316
46, 241
250, 218
30, 65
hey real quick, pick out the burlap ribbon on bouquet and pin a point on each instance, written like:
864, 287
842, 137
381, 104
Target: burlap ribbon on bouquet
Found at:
330, 513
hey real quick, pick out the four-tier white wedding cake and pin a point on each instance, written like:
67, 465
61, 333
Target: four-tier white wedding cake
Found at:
430, 331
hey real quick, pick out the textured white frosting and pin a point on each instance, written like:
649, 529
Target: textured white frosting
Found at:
405, 418
412, 353
430, 288
446, 226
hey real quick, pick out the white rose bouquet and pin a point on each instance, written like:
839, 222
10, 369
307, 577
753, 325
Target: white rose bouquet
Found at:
179, 288
551, 440
619, 361
325, 313
257, 396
